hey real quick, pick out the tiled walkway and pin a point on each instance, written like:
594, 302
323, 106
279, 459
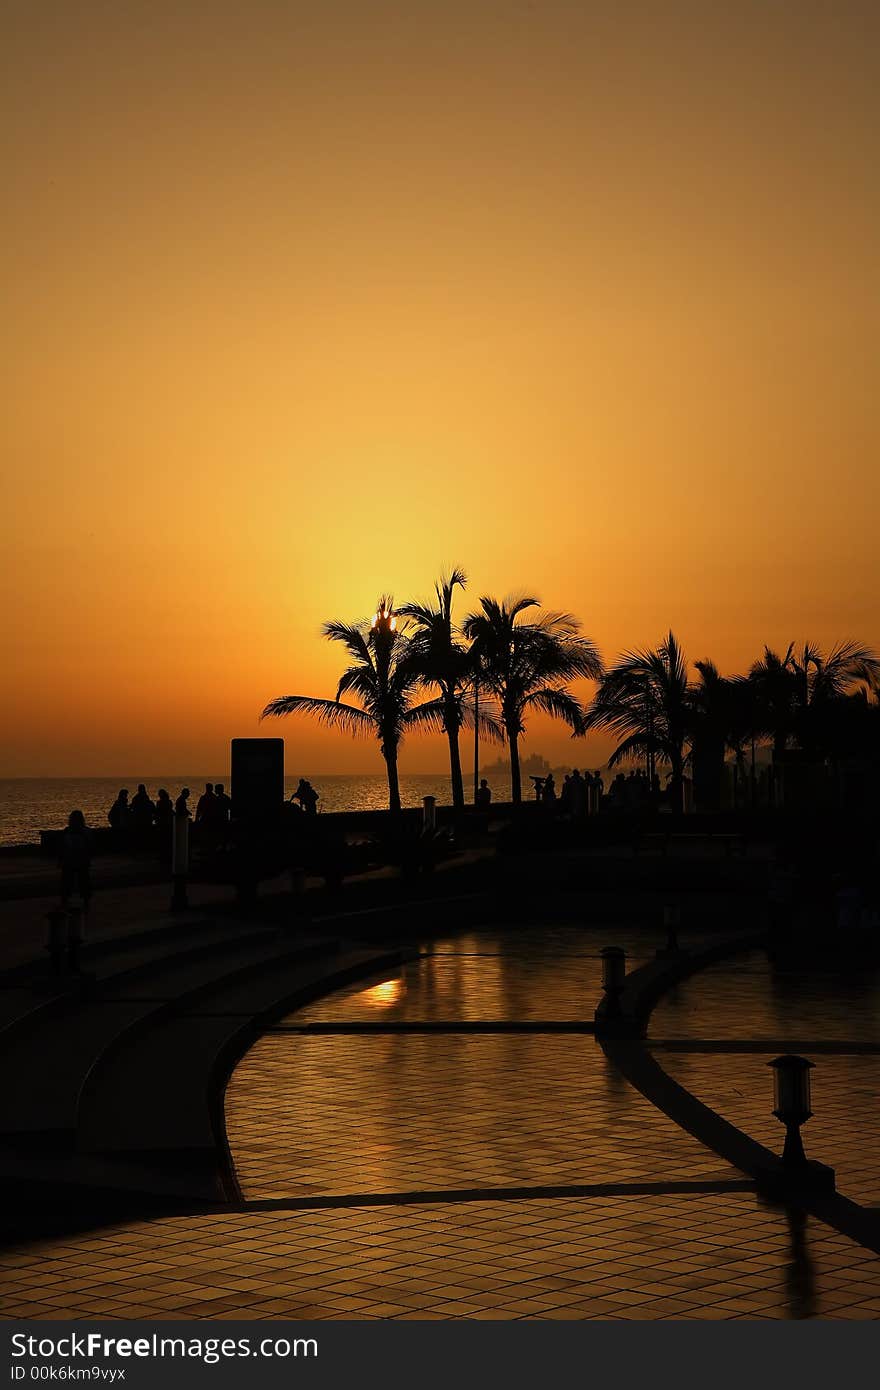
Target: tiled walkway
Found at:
534, 973
392, 1113
749, 998
697, 1256
352, 1118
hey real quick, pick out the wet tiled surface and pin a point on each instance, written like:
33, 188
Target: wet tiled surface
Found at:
659, 1257
751, 998
388, 1113
844, 1131
532, 973
355, 1114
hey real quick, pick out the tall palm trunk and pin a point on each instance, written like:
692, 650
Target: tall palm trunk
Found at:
677, 783
455, 771
451, 719
389, 753
515, 777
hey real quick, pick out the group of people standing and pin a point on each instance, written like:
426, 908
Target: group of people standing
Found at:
141, 817
636, 792
581, 793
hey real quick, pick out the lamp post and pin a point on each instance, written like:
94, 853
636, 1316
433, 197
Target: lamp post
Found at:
671, 921
791, 1104
75, 934
476, 741
180, 860
57, 939
613, 978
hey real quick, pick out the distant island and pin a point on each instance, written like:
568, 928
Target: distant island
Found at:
534, 765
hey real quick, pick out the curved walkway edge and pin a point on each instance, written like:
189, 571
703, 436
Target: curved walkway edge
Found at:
630, 1052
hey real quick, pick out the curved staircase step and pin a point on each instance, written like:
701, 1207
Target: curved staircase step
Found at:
155, 1100
44, 1066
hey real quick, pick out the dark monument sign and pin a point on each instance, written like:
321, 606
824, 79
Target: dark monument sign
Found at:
257, 777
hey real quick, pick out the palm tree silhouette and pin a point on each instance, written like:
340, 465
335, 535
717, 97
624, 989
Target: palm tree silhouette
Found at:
645, 701
793, 690
525, 665
444, 662
718, 720
383, 676
774, 685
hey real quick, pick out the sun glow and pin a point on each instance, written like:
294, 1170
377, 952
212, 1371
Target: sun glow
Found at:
563, 300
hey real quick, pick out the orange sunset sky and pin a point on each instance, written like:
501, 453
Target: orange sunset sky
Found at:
304, 301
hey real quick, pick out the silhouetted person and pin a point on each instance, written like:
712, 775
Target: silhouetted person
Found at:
142, 810
549, 793
484, 795
163, 816
221, 816
76, 859
205, 807
307, 797
119, 814
181, 807
577, 794
164, 809
617, 792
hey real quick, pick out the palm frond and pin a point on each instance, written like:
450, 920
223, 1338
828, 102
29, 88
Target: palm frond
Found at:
491, 728
559, 704
353, 637
428, 717
330, 712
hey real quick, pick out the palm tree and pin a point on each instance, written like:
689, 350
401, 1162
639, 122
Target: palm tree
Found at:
823, 683
645, 700
525, 664
444, 662
775, 687
792, 691
718, 721
383, 676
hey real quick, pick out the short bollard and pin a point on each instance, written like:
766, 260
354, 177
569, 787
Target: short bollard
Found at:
613, 979
179, 863
75, 934
671, 922
56, 942
791, 1104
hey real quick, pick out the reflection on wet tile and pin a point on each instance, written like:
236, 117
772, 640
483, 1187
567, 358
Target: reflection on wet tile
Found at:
549, 974
753, 998
387, 1113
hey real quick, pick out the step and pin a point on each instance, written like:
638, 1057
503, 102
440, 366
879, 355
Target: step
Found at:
158, 1093
173, 933
43, 1068
34, 994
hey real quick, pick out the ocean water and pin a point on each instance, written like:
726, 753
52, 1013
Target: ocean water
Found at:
31, 804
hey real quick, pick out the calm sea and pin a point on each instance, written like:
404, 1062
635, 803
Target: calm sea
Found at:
30, 804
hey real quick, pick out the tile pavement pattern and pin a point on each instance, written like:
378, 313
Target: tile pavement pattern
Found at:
351, 1114
844, 1131
750, 998
528, 974
339, 1114
663, 1257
